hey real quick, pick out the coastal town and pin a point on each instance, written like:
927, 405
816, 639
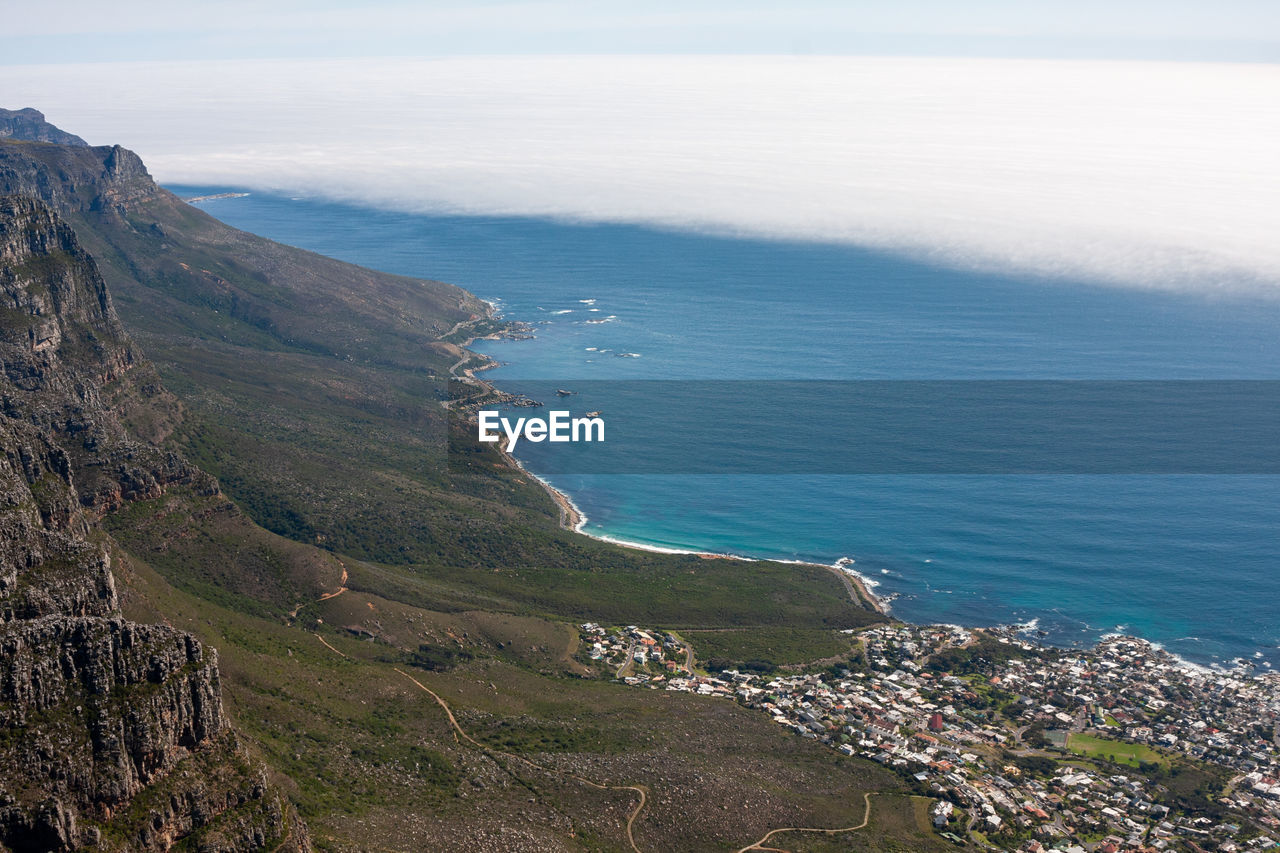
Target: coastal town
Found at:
1023, 747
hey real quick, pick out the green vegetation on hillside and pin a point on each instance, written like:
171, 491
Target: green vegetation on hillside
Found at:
345, 570
766, 648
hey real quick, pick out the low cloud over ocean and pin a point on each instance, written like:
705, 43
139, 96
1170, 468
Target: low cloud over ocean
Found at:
1141, 174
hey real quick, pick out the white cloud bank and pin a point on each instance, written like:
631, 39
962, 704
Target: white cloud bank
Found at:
1159, 175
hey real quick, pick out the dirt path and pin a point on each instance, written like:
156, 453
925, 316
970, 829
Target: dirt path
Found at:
325, 596
571, 649
329, 647
460, 735
342, 585
288, 839
759, 845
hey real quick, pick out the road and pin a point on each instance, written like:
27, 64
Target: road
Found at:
858, 591
629, 664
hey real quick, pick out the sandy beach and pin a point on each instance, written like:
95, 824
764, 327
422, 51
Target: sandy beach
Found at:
572, 518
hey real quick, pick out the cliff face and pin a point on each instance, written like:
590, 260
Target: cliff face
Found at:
29, 125
62, 346
168, 264
112, 734
61, 335
73, 178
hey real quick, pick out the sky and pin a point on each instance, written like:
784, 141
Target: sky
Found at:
90, 30
1131, 143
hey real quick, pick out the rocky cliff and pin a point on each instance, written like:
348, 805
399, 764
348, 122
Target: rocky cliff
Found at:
65, 351
112, 734
30, 125
73, 178
171, 265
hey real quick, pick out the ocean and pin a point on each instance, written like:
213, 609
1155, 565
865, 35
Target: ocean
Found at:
1185, 560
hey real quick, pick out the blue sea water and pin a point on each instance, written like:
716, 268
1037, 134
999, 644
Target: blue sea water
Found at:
1189, 561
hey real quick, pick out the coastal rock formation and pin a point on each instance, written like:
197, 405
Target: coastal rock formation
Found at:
112, 734
29, 125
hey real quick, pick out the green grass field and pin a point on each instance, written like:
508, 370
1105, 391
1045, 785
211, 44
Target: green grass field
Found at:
1116, 751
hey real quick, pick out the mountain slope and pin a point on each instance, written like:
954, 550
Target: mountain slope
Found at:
103, 722
312, 392
309, 388
178, 271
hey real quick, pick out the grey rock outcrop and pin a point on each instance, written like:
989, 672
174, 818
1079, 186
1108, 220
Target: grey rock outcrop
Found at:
106, 178
30, 126
112, 734
61, 346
